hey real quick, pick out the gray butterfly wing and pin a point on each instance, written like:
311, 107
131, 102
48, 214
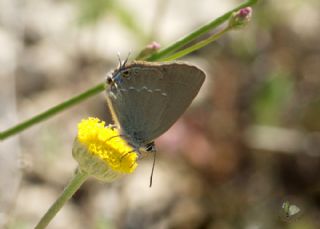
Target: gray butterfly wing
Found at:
136, 107
182, 83
150, 97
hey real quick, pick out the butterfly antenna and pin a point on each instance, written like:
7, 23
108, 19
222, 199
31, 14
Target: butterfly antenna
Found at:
126, 60
152, 170
119, 59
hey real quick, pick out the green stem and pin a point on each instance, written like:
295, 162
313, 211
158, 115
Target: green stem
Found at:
52, 111
196, 46
67, 193
198, 32
100, 87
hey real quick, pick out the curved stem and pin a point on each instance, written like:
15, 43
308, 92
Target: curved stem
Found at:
100, 87
67, 193
52, 111
196, 46
198, 32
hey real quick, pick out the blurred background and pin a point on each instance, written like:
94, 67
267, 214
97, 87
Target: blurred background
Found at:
249, 142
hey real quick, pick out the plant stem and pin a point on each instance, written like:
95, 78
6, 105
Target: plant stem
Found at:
196, 46
52, 111
67, 193
198, 32
100, 87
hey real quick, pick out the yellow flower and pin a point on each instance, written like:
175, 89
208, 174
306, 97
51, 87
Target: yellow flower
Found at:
101, 152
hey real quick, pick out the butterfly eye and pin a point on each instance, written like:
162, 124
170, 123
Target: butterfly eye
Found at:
125, 74
109, 80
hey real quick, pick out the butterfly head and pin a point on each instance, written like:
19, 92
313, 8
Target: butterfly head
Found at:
119, 73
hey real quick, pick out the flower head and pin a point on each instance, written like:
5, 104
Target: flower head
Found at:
241, 17
151, 48
101, 152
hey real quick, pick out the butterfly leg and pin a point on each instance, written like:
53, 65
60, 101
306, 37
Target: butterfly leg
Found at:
150, 147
